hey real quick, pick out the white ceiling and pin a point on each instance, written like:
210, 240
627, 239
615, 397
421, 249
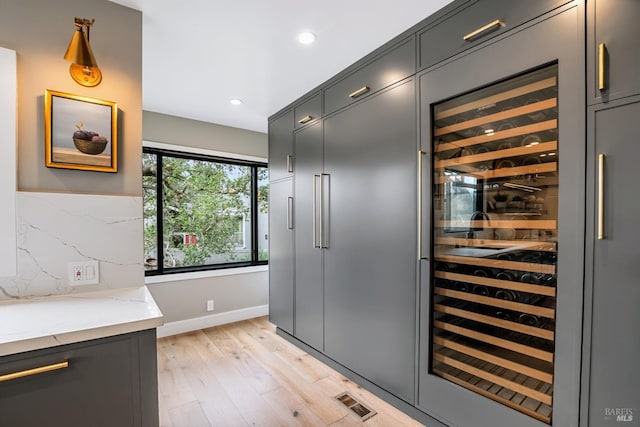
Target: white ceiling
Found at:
199, 54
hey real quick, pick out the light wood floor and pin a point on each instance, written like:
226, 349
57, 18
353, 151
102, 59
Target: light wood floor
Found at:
243, 374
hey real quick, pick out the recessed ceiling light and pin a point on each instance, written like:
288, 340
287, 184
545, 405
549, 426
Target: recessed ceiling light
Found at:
306, 37
235, 101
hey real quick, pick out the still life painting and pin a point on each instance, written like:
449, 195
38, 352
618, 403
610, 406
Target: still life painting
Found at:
80, 132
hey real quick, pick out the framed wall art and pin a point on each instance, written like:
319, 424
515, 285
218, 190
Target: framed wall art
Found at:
80, 132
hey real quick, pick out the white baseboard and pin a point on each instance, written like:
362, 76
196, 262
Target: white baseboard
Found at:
189, 325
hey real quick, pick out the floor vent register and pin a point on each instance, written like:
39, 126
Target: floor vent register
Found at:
358, 407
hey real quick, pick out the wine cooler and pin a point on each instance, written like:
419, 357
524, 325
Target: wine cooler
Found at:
494, 240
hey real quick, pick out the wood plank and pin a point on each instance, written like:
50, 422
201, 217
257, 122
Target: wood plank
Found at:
497, 244
502, 115
519, 224
496, 302
502, 96
542, 397
501, 284
329, 410
489, 320
498, 263
497, 154
285, 402
503, 134
253, 408
495, 397
496, 360
509, 345
173, 386
212, 396
539, 168
189, 415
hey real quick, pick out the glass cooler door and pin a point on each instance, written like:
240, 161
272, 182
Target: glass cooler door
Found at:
495, 222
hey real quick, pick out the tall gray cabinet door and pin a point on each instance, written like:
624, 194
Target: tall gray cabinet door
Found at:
281, 146
613, 24
614, 300
370, 280
281, 254
308, 266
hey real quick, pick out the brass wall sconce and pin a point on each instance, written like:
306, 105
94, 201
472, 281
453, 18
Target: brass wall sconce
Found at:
84, 68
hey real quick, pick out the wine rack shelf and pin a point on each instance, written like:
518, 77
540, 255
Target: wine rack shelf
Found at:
500, 244
494, 264
498, 263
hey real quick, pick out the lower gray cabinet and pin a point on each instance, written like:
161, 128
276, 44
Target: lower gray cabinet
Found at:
611, 386
108, 382
281, 257
370, 256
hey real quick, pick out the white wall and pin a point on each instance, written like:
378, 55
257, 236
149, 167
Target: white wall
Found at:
183, 298
73, 215
8, 98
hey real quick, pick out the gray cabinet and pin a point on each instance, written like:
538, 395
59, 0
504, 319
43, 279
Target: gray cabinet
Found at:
473, 22
613, 57
281, 255
281, 146
391, 66
498, 346
107, 382
308, 111
611, 386
309, 296
369, 260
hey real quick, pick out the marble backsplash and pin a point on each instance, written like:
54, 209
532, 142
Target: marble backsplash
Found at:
55, 229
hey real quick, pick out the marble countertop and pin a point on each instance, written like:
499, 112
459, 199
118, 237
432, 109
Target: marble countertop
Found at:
41, 322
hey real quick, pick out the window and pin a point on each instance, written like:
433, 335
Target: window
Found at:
203, 212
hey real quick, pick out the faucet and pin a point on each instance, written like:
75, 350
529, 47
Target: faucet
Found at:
476, 216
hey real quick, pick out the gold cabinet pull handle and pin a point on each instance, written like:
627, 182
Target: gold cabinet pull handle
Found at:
290, 213
601, 233
483, 29
34, 371
305, 119
314, 212
602, 77
361, 91
289, 163
420, 212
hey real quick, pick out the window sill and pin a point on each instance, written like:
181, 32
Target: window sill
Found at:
204, 274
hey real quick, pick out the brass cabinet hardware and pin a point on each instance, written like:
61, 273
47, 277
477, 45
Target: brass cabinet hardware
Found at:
361, 91
483, 29
601, 234
324, 243
314, 211
305, 119
602, 53
290, 213
289, 163
34, 371
420, 156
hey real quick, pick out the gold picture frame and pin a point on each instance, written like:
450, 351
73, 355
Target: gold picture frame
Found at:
80, 132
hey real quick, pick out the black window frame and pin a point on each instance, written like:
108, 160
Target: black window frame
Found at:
161, 270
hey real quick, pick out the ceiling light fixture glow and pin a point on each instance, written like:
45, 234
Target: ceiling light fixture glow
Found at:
235, 101
306, 37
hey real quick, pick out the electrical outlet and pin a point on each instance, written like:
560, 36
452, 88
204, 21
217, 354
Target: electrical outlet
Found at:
210, 305
83, 273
